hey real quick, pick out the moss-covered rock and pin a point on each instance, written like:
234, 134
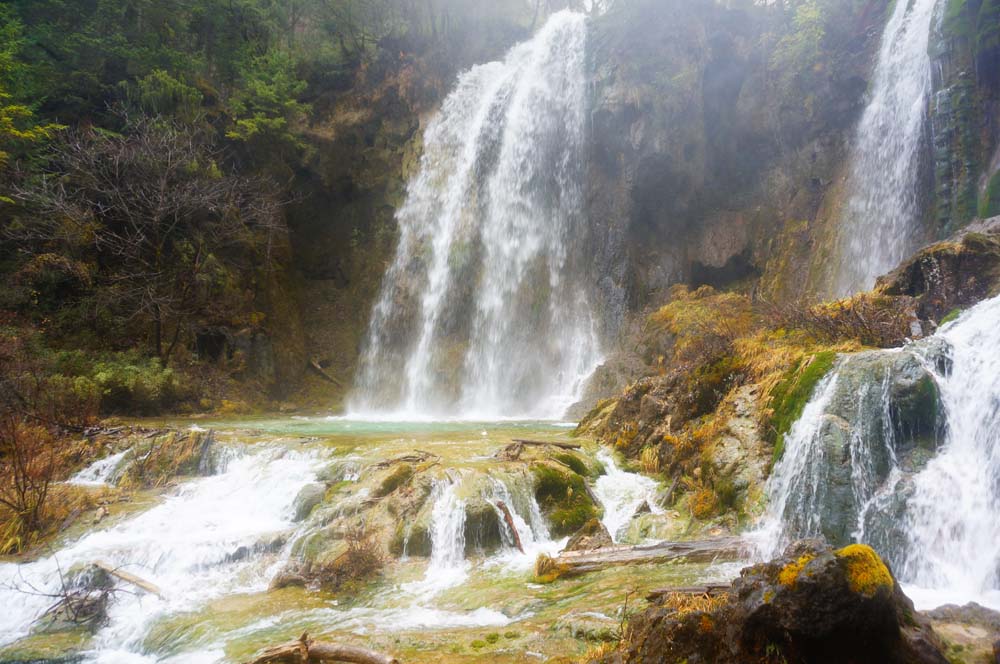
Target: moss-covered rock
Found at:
811, 605
563, 498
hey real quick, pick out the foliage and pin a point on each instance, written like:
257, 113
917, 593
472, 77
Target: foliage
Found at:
362, 562
28, 464
790, 396
170, 233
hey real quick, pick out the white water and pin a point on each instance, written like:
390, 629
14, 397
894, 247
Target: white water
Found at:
182, 545
794, 489
101, 472
953, 519
448, 566
880, 223
621, 493
485, 310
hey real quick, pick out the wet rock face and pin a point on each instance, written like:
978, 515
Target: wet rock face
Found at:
885, 412
813, 604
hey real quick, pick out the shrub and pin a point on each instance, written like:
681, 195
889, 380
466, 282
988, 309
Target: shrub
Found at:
360, 563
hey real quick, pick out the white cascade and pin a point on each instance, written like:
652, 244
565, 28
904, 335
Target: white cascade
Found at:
880, 221
953, 517
486, 309
101, 472
448, 566
621, 493
184, 545
940, 525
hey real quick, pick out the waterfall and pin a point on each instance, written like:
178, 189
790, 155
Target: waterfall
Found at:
101, 472
938, 520
621, 493
953, 518
879, 227
184, 545
447, 566
486, 309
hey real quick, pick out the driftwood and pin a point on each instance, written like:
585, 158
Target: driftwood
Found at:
574, 563
307, 651
130, 578
418, 456
315, 366
543, 443
502, 506
711, 590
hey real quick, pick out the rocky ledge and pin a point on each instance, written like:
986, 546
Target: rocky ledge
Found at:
812, 605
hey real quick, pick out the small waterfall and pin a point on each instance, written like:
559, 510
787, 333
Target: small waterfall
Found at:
485, 310
184, 545
101, 472
621, 493
936, 521
447, 566
879, 224
953, 517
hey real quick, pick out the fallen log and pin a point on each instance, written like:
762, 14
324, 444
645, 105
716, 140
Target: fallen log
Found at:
543, 443
318, 368
130, 578
502, 506
711, 590
575, 563
307, 651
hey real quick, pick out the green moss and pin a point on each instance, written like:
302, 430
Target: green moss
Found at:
790, 396
951, 316
563, 498
989, 204
492, 637
398, 477
478, 644
575, 463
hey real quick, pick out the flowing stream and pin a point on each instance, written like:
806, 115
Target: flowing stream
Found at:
486, 309
880, 223
213, 544
937, 521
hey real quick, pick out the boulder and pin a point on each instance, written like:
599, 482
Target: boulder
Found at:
308, 498
812, 605
593, 535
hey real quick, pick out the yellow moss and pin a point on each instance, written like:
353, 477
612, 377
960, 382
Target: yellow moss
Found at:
866, 572
649, 459
547, 569
790, 573
703, 504
706, 624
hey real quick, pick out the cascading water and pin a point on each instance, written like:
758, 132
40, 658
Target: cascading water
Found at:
953, 518
447, 566
185, 546
880, 223
485, 310
102, 471
936, 521
621, 493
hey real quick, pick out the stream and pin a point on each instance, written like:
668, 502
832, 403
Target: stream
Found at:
212, 545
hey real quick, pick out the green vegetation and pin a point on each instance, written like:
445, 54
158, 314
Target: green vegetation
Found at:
989, 203
563, 498
790, 396
951, 316
400, 475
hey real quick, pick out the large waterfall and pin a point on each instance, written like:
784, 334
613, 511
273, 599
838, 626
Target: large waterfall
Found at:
880, 220
936, 520
485, 310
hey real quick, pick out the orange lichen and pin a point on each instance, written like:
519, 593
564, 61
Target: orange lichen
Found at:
866, 572
706, 624
790, 573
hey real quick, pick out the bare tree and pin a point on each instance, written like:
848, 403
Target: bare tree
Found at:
167, 229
